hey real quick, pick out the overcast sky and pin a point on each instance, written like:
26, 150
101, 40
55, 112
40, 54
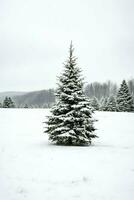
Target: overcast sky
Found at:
35, 37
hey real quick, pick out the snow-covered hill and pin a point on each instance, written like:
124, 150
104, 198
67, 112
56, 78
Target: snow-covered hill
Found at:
33, 169
10, 94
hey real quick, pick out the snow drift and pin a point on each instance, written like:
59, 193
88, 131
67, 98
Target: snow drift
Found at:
31, 168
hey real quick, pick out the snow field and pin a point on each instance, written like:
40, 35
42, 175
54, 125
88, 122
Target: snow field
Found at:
31, 168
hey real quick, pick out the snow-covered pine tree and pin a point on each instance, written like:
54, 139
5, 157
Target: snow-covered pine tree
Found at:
95, 103
101, 103
8, 103
71, 122
125, 101
111, 104
11, 103
25, 106
103, 106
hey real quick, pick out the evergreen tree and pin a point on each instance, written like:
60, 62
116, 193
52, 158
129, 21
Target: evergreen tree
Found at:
95, 103
125, 101
25, 106
101, 103
71, 121
111, 104
11, 103
104, 102
8, 103
0, 105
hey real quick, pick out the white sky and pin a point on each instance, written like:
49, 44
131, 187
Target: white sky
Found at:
35, 36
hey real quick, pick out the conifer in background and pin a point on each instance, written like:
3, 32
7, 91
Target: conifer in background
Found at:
103, 106
111, 104
8, 103
25, 106
95, 103
11, 103
125, 101
101, 103
71, 122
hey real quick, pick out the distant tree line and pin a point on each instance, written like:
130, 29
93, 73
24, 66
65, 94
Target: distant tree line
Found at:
121, 101
100, 90
106, 96
7, 103
106, 89
36, 99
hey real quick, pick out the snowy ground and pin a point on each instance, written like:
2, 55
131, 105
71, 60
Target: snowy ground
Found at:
32, 169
